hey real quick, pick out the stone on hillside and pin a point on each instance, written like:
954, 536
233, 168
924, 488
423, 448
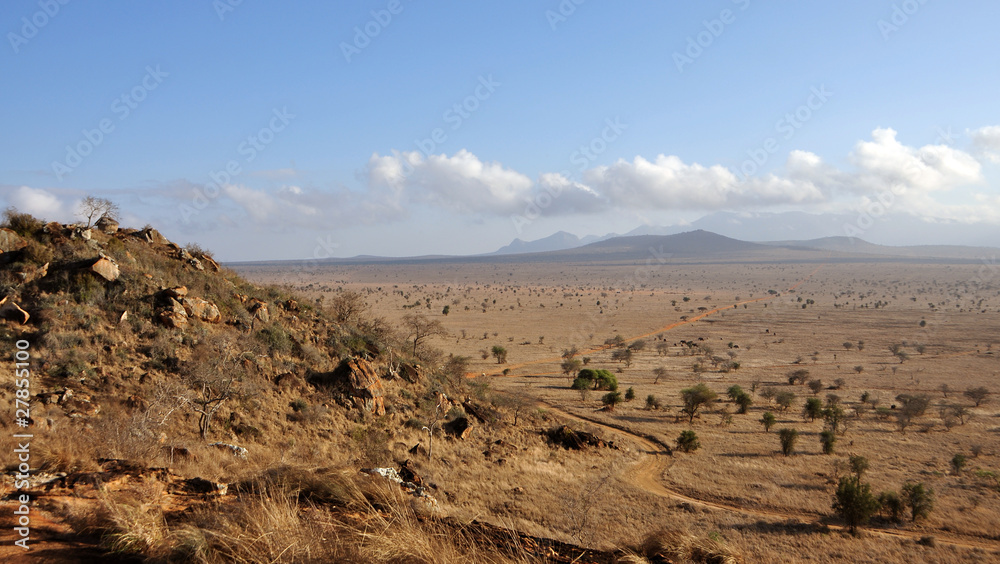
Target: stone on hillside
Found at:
459, 427
258, 310
174, 315
10, 241
107, 225
13, 312
210, 263
202, 309
153, 237
412, 373
177, 292
366, 387
105, 267
236, 451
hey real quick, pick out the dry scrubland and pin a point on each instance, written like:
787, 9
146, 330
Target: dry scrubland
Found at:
884, 329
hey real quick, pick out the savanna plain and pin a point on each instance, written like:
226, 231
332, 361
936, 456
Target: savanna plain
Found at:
868, 361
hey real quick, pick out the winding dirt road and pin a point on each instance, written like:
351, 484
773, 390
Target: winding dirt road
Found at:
647, 476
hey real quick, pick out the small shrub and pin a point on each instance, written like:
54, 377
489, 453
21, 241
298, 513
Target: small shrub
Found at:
688, 441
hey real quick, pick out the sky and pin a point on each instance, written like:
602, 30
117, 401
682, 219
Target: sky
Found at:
301, 130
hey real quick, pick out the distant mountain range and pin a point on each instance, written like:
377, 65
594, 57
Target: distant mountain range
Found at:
825, 231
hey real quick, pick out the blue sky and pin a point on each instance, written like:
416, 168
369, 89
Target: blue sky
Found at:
455, 127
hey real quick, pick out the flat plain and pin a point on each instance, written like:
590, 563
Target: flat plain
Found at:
885, 329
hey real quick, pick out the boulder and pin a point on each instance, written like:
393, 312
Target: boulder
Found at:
203, 486
10, 241
107, 225
177, 292
483, 413
105, 267
13, 312
366, 387
412, 373
174, 315
258, 310
201, 309
153, 237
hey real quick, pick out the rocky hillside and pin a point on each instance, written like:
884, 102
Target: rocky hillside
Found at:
181, 413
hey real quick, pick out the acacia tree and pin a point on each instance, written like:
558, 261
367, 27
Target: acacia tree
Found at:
92, 209
499, 353
977, 394
216, 373
695, 397
854, 502
420, 328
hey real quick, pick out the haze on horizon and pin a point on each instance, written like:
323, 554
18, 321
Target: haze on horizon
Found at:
398, 128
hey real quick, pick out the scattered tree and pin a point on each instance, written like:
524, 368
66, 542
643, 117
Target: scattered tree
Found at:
499, 353
652, 403
93, 209
788, 438
767, 420
891, 505
630, 394
827, 439
694, 398
784, 400
919, 498
812, 409
958, 463
659, 372
815, 385
854, 502
420, 328
977, 395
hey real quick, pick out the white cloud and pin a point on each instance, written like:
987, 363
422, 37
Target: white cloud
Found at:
884, 162
986, 140
42, 203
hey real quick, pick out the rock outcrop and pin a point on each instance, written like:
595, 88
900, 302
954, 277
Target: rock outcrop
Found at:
107, 225
258, 309
366, 387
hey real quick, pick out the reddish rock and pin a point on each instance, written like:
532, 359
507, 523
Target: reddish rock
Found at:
153, 237
366, 387
105, 267
210, 263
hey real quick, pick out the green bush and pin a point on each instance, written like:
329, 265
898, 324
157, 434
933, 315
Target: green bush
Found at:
688, 441
788, 438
